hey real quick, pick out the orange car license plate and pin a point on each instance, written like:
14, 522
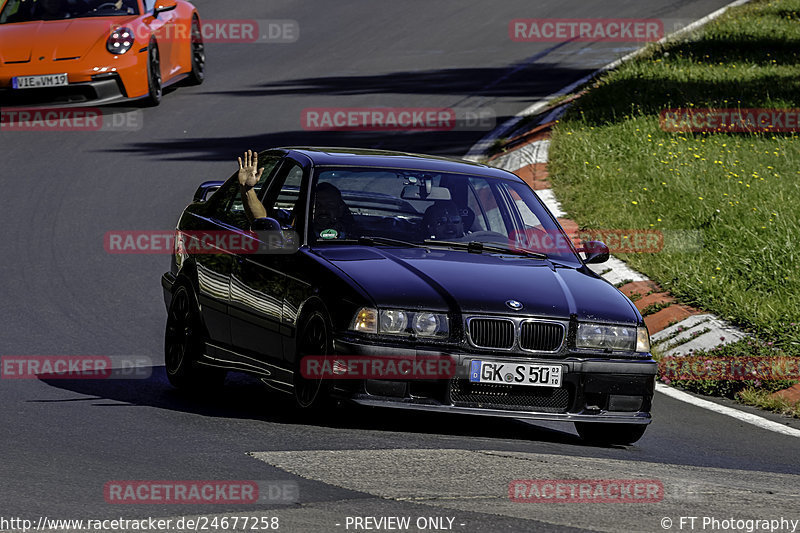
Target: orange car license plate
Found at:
46, 80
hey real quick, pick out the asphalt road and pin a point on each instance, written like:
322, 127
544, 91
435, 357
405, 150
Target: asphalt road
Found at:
63, 294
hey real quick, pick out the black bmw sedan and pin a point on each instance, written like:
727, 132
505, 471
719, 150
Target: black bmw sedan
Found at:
366, 264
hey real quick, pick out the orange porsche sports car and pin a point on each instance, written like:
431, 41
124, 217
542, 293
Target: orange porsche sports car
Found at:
97, 51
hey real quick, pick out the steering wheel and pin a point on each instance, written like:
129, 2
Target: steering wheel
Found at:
105, 5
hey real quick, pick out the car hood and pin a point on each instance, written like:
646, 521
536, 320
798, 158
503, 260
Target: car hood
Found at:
441, 280
55, 39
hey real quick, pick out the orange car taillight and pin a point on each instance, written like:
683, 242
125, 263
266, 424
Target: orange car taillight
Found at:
120, 41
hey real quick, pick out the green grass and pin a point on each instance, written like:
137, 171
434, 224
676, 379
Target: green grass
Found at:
733, 198
763, 400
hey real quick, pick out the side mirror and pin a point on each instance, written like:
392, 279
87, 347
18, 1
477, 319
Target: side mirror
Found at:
283, 216
164, 5
596, 252
206, 189
273, 238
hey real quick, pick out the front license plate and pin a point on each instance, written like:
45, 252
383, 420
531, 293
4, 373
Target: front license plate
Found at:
34, 82
534, 375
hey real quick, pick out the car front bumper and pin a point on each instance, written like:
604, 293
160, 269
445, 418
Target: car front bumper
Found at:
93, 80
91, 93
593, 389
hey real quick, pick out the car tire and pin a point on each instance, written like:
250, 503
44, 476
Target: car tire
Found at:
183, 346
155, 89
198, 51
313, 339
600, 433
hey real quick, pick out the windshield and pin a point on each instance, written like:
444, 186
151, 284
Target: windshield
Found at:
29, 10
433, 207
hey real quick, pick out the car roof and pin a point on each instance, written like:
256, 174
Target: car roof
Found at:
362, 157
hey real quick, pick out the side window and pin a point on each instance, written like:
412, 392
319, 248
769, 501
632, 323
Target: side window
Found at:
487, 208
480, 219
223, 197
283, 197
290, 190
269, 163
149, 5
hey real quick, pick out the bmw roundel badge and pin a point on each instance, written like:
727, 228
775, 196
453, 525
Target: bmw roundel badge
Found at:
513, 304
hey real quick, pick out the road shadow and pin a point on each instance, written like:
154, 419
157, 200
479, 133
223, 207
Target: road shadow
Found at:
472, 87
245, 397
226, 148
649, 91
528, 80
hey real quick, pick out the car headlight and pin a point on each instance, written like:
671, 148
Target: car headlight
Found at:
120, 41
428, 324
393, 321
400, 322
604, 337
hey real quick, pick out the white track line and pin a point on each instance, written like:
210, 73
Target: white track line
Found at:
755, 420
